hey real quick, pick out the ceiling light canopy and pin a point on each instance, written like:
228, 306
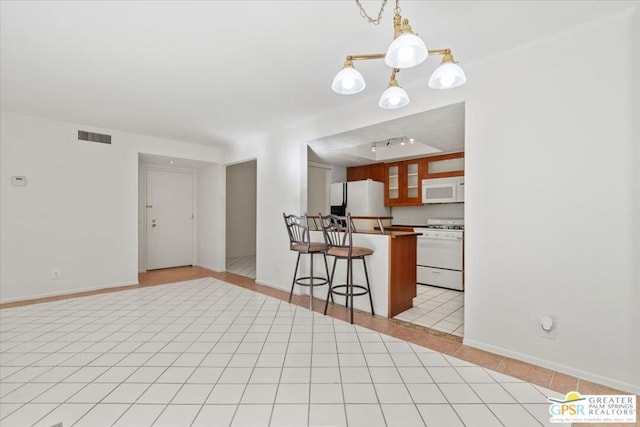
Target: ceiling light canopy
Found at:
407, 50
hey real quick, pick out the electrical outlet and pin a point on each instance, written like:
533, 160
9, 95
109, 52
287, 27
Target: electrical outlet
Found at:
56, 274
547, 327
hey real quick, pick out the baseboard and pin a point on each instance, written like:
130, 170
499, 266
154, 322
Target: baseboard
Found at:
569, 370
69, 292
217, 270
275, 286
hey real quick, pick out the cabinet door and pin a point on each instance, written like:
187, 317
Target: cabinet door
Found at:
393, 185
356, 173
411, 191
376, 172
443, 166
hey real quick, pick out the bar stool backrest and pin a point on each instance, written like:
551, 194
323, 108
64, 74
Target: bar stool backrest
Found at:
337, 231
298, 230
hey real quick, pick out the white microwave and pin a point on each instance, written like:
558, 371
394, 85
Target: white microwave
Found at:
443, 190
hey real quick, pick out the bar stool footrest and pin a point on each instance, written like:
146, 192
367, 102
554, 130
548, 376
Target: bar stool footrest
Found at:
306, 281
365, 290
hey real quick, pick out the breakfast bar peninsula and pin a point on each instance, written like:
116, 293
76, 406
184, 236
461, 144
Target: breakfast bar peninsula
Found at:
391, 269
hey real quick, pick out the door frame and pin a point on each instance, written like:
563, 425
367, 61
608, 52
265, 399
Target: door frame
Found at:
143, 209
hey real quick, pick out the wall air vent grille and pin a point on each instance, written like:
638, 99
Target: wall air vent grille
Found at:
94, 137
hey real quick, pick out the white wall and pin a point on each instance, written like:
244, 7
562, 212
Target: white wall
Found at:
211, 217
78, 212
281, 161
338, 173
241, 209
549, 167
549, 156
635, 55
318, 185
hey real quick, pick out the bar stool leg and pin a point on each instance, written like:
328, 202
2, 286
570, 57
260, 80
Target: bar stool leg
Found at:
295, 273
330, 290
350, 285
366, 275
326, 268
311, 287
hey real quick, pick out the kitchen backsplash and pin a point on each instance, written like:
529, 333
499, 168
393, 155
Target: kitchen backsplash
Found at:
418, 215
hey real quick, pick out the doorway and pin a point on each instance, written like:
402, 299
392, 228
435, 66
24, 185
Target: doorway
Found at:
169, 228
241, 208
318, 184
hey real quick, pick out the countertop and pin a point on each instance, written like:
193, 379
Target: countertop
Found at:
391, 233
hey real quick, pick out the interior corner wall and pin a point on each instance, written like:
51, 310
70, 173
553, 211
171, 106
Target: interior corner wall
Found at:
78, 212
211, 217
241, 209
549, 205
278, 175
548, 158
635, 55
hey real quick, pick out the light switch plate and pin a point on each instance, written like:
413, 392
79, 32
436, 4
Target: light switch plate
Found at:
19, 181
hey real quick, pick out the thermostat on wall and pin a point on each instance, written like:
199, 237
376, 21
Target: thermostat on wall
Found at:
19, 180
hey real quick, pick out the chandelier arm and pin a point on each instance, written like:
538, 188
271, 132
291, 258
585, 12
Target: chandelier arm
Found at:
439, 51
365, 56
407, 50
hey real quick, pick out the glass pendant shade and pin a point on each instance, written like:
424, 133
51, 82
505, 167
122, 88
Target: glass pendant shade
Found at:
394, 97
348, 81
406, 51
447, 76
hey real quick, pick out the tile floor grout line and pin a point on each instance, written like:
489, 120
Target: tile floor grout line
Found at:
193, 321
246, 385
275, 396
141, 394
164, 371
344, 400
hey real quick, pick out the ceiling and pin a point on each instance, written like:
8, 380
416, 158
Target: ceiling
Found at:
218, 72
440, 130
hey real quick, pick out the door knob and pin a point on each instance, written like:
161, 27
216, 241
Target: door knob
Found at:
153, 225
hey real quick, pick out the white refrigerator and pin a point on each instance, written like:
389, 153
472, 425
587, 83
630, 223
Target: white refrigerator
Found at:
359, 198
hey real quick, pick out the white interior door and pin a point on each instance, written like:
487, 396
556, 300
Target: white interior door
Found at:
170, 219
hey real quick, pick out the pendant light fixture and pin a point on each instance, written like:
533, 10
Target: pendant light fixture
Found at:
394, 97
448, 75
348, 80
407, 50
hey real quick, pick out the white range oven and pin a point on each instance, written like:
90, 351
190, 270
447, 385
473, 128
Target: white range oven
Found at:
440, 253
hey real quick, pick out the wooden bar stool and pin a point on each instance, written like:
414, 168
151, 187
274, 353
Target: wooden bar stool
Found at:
338, 236
300, 242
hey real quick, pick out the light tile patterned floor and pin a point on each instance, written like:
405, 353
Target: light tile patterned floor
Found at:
242, 265
207, 353
437, 308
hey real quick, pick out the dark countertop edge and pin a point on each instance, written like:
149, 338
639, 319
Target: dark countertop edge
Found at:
390, 233
384, 218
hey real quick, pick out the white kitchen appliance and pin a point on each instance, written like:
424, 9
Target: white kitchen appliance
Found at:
443, 190
359, 198
440, 253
